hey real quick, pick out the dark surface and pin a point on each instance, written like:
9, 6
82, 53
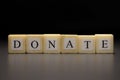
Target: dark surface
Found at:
59, 66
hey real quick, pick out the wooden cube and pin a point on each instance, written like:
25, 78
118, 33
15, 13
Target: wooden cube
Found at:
52, 43
86, 44
104, 43
69, 44
16, 43
34, 43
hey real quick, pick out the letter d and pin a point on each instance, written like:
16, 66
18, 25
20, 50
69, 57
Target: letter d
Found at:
17, 43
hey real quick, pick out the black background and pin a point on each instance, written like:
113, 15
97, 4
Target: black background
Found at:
59, 16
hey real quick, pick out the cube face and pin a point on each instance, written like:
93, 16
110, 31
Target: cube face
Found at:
86, 44
52, 43
69, 44
16, 43
34, 43
104, 43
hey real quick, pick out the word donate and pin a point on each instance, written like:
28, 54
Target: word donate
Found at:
58, 43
